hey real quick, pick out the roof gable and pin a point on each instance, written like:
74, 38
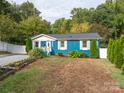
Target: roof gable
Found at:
41, 35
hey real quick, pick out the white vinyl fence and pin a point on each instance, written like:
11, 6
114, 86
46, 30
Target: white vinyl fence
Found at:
103, 52
16, 49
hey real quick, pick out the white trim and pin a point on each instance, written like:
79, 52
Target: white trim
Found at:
62, 48
38, 36
39, 44
85, 48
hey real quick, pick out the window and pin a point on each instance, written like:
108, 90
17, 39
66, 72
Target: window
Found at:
84, 44
62, 45
43, 43
36, 44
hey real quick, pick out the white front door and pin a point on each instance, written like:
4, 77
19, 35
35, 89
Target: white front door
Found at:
48, 47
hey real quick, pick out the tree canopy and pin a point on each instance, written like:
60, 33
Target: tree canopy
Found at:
24, 21
107, 19
19, 22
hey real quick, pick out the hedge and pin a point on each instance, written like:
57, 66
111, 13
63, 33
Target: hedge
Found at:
116, 52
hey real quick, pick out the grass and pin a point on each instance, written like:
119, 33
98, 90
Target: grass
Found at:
116, 73
25, 81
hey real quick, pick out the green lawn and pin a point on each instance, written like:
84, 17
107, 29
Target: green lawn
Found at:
25, 81
116, 73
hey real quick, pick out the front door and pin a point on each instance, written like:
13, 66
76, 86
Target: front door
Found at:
48, 47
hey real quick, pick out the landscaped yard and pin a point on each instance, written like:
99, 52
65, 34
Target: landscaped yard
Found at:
65, 75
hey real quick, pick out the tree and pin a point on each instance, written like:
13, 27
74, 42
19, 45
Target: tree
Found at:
33, 26
103, 32
122, 47
83, 27
112, 53
94, 49
28, 45
61, 26
80, 15
15, 12
118, 59
109, 49
27, 9
4, 7
8, 28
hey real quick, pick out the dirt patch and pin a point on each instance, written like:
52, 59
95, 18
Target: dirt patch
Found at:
85, 77
77, 76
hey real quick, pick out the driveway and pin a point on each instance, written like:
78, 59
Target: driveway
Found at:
11, 58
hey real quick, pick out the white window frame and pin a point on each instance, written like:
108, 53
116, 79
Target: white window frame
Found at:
62, 48
84, 48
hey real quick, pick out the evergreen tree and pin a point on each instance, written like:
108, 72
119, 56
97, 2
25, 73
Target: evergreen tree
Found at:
94, 49
28, 45
109, 49
118, 59
122, 47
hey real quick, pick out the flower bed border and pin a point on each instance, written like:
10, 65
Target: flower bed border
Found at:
13, 70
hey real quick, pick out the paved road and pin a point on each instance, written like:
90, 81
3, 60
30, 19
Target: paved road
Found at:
13, 58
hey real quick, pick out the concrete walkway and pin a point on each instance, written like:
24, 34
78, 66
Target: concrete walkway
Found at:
11, 58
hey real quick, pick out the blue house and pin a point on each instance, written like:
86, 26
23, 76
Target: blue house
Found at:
64, 43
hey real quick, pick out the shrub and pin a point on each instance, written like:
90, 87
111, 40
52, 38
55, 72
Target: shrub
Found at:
122, 47
1, 71
60, 54
28, 45
36, 53
116, 52
112, 53
94, 49
74, 54
118, 59
122, 68
83, 55
15, 64
109, 49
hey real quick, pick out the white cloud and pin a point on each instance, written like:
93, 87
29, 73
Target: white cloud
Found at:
54, 9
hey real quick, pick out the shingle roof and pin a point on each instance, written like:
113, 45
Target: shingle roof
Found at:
76, 36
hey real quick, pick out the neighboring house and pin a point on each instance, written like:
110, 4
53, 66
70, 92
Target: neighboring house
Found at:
65, 43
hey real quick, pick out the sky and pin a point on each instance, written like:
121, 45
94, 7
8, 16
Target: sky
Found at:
55, 9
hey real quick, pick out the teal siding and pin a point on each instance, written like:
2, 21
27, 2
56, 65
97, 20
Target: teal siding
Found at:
72, 45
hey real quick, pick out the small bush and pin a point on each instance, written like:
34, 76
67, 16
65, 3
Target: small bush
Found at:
36, 53
15, 64
82, 55
1, 72
60, 54
74, 54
